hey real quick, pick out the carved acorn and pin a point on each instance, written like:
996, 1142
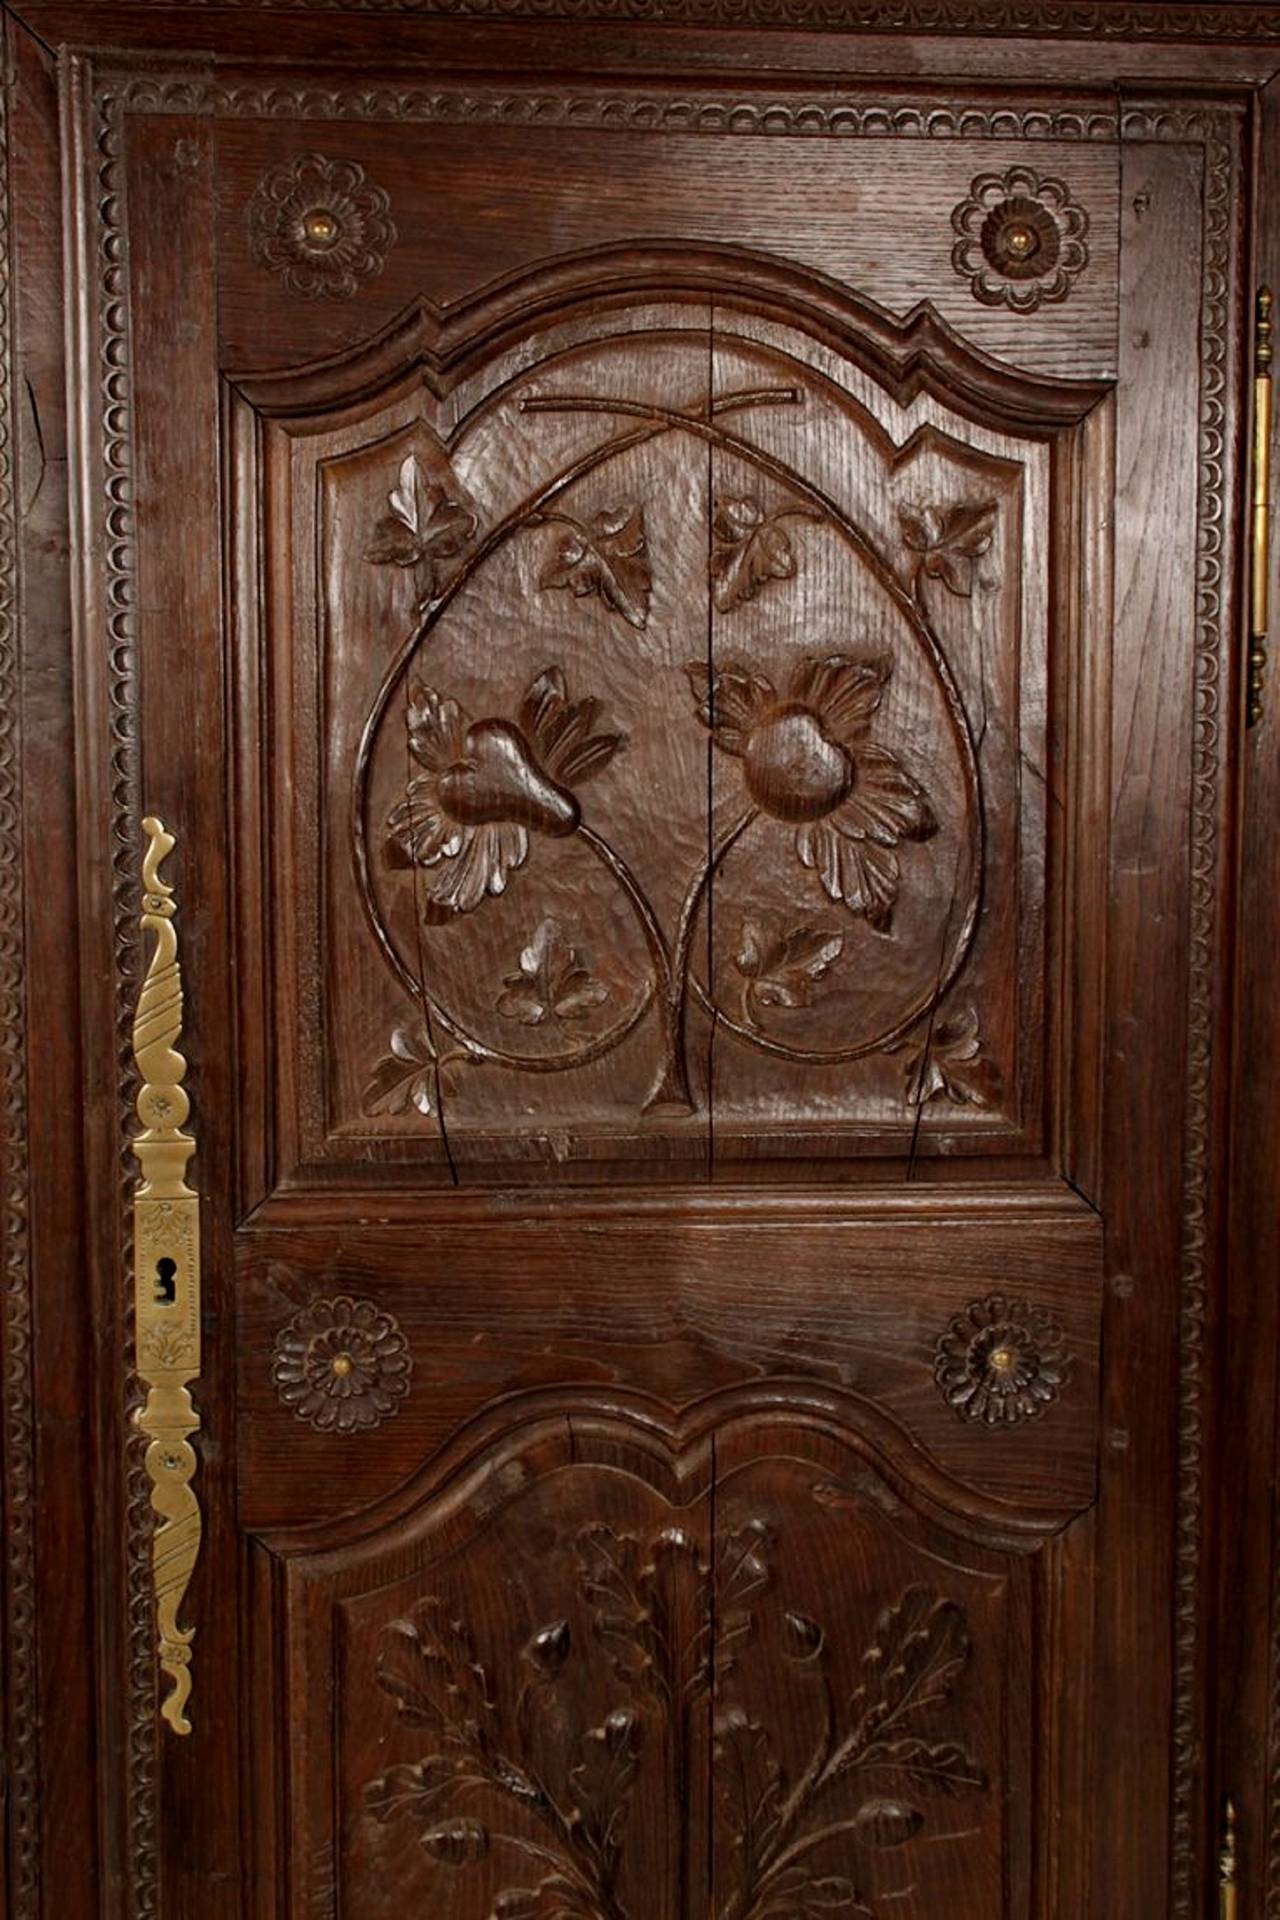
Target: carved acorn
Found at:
887, 1823
458, 1842
548, 1650
803, 1638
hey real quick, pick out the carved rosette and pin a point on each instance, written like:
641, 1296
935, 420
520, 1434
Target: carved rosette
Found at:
342, 1365
1021, 239
321, 225
1001, 1362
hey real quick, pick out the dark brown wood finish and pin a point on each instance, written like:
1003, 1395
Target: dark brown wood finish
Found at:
680, 598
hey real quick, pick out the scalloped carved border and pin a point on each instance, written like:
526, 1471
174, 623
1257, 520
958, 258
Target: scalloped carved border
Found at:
1218, 132
637, 110
22, 1731
1058, 19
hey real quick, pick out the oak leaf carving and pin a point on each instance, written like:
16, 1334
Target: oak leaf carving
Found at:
749, 1780
637, 1599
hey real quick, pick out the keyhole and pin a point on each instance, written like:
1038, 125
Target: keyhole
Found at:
166, 1282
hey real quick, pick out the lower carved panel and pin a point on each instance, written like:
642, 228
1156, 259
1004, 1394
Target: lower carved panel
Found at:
604, 1678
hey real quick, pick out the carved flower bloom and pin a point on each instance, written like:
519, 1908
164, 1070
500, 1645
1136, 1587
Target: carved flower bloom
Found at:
321, 225
1001, 1361
342, 1365
1020, 239
487, 784
807, 760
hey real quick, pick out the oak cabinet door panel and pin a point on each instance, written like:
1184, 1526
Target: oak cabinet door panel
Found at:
680, 632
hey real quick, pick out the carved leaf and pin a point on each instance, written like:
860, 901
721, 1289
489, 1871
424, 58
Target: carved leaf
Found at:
750, 1785
950, 540
782, 971
417, 1790
555, 1898
749, 549
742, 1572
950, 1064
794, 1896
937, 1767
600, 1786
919, 1650
428, 1666
639, 1604
560, 730
607, 557
404, 1077
425, 526
551, 983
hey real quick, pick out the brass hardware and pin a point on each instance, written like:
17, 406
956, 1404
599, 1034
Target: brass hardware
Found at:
1228, 1865
166, 1254
1258, 612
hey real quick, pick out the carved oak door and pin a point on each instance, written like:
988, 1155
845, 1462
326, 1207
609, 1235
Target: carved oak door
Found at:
681, 668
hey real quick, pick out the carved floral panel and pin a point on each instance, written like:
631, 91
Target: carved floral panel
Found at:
589, 1702
662, 765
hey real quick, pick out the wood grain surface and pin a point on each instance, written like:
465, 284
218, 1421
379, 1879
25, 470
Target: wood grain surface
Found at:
677, 589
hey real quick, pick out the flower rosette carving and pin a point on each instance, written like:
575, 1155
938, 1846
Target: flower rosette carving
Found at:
1021, 240
321, 225
342, 1365
1001, 1362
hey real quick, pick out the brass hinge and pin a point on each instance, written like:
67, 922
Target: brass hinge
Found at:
1228, 1867
1261, 559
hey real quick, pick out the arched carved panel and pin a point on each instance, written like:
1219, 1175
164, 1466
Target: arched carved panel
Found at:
605, 1675
663, 745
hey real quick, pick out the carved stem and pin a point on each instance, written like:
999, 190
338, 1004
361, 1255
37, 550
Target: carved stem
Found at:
672, 1089
688, 919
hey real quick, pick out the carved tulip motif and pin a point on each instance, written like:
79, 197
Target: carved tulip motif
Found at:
809, 762
486, 785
